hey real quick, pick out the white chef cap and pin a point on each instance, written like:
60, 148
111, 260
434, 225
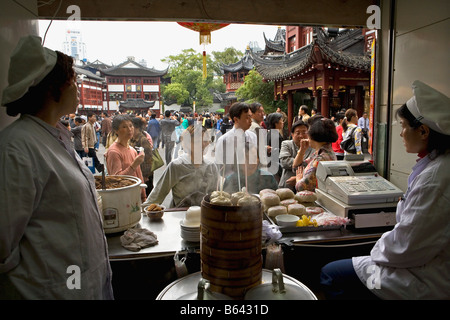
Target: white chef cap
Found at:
30, 63
430, 107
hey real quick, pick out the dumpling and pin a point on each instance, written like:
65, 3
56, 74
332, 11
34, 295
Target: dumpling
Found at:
296, 209
276, 210
236, 196
306, 196
264, 191
285, 193
270, 199
287, 202
221, 201
215, 194
248, 200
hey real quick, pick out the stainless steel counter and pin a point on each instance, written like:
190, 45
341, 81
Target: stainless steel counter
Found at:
168, 231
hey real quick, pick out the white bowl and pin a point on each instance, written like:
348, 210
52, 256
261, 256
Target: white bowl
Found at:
287, 220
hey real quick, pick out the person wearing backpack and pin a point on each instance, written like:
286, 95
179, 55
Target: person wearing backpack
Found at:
351, 143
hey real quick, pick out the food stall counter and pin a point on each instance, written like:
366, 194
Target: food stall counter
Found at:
170, 241
168, 235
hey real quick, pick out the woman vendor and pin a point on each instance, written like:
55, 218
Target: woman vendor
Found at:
190, 176
52, 243
413, 260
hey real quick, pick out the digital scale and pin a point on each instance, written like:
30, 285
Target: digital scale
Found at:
355, 190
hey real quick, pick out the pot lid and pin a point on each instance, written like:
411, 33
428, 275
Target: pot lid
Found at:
203, 293
278, 290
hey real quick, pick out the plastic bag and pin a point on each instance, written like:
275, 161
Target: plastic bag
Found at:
180, 266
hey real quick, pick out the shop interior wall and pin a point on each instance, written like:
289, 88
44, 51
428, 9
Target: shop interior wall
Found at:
421, 44
17, 19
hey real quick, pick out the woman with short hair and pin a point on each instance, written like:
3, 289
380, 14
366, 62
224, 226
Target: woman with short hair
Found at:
322, 132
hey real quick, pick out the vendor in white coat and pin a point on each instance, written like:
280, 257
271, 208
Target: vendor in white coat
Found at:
413, 260
52, 243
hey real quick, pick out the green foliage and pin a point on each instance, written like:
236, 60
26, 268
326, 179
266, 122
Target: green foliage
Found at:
186, 73
228, 56
176, 92
255, 89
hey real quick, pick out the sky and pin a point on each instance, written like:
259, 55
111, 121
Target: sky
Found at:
113, 41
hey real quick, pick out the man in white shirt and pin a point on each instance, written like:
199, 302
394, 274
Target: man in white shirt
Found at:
230, 147
257, 117
363, 123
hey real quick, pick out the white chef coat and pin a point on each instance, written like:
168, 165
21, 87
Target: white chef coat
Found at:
185, 180
52, 243
414, 258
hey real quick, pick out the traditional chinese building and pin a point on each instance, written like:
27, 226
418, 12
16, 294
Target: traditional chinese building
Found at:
137, 106
277, 45
91, 88
132, 81
333, 69
235, 73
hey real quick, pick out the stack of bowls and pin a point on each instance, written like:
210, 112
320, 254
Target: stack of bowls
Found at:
190, 225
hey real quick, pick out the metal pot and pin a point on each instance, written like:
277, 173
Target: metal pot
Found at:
278, 290
203, 293
121, 207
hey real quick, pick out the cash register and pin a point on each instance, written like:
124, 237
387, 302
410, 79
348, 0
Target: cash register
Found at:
355, 190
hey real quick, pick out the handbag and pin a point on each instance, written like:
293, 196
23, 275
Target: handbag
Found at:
157, 162
348, 144
89, 162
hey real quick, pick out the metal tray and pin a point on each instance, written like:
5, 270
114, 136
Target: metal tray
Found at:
302, 229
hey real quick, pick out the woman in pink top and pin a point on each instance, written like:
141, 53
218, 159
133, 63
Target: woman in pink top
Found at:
121, 158
337, 145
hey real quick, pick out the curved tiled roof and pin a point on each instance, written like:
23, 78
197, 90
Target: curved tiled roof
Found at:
274, 45
136, 71
282, 66
136, 104
245, 63
340, 50
88, 73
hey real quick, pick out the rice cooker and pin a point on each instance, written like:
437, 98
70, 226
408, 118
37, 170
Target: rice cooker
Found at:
121, 207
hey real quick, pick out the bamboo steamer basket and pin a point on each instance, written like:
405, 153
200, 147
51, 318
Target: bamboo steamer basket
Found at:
230, 247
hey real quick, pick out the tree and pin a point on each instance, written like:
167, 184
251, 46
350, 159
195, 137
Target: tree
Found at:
176, 92
185, 70
255, 89
228, 56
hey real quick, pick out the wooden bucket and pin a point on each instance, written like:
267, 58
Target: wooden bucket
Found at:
230, 247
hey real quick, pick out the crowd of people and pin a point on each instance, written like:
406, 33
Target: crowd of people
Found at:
283, 160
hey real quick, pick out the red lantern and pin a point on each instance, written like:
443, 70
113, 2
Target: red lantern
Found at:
205, 30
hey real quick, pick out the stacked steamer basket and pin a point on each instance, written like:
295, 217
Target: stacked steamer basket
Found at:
230, 247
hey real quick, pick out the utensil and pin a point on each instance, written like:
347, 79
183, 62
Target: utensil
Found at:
278, 290
203, 293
